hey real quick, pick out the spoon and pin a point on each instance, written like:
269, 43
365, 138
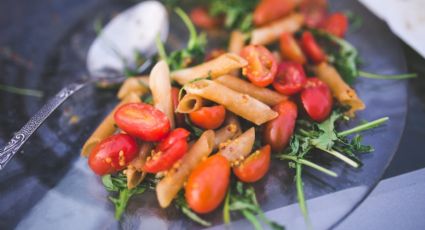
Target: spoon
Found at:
133, 30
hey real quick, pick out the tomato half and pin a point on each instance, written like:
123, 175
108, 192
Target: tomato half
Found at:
113, 154
270, 10
311, 48
168, 151
314, 12
262, 65
290, 78
336, 24
255, 166
317, 99
207, 184
179, 117
143, 121
278, 131
208, 117
290, 49
203, 19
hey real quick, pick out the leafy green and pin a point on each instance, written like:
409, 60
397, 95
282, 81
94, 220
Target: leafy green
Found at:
181, 204
195, 131
387, 77
21, 91
238, 13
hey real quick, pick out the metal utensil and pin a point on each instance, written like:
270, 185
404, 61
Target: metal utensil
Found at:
133, 30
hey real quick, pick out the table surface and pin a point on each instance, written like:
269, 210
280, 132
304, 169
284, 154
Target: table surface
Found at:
21, 60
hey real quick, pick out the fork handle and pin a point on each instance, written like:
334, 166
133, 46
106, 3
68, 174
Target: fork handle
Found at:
20, 137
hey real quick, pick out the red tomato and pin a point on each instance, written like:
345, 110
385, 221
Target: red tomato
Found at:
270, 10
290, 78
113, 154
314, 12
311, 48
336, 24
168, 151
317, 99
262, 65
208, 117
201, 18
179, 117
143, 121
207, 184
290, 49
255, 166
278, 131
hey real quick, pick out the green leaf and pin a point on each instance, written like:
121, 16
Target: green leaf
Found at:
21, 91
328, 136
107, 182
181, 204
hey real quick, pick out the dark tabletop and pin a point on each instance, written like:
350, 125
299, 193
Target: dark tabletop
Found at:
26, 42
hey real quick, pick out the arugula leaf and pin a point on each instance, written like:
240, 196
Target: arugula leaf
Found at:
21, 91
181, 204
238, 13
196, 132
328, 136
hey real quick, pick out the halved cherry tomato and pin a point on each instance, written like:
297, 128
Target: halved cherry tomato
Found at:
255, 166
143, 121
278, 131
290, 49
317, 99
113, 154
168, 151
179, 117
203, 19
314, 12
207, 184
311, 48
290, 78
262, 65
336, 24
270, 10
208, 117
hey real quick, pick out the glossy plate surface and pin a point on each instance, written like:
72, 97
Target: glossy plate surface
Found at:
51, 186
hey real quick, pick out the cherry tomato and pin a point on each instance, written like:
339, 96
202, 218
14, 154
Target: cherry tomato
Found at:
270, 10
290, 49
278, 131
168, 151
314, 12
179, 117
203, 19
255, 166
290, 78
317, 99
262, 65
208, 117
311, 48
207, 184
143, 121
113, 154
336, 24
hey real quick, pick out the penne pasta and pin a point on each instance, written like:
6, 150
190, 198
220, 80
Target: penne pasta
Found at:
107, 127
134, 172
160, 85
271, 32
173, 181
223, 64
236, 150
236, 42
265, 95
137, 85
340, 90
189, 103
229, 131
241, 104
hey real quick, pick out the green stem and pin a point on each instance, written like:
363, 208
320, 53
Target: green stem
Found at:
21, 91
300, 192
340, 156
387, 77
363, 127
190, 26
310, 164
160, 48
226, 211
120, 206
253, 219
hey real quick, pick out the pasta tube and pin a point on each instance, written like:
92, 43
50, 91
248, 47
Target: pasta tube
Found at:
134, 172
271, 32
137, 85
107, 127
239, 103
229, 131
189, 103
340, 90
223, 64
236, 42
236, 150
174, 179
264, 95
160, 84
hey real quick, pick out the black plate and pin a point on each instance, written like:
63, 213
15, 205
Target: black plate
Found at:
50, 185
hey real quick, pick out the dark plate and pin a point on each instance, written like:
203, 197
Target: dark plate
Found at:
50, 186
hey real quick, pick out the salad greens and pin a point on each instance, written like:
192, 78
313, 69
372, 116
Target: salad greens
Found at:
238, 13
21, 91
